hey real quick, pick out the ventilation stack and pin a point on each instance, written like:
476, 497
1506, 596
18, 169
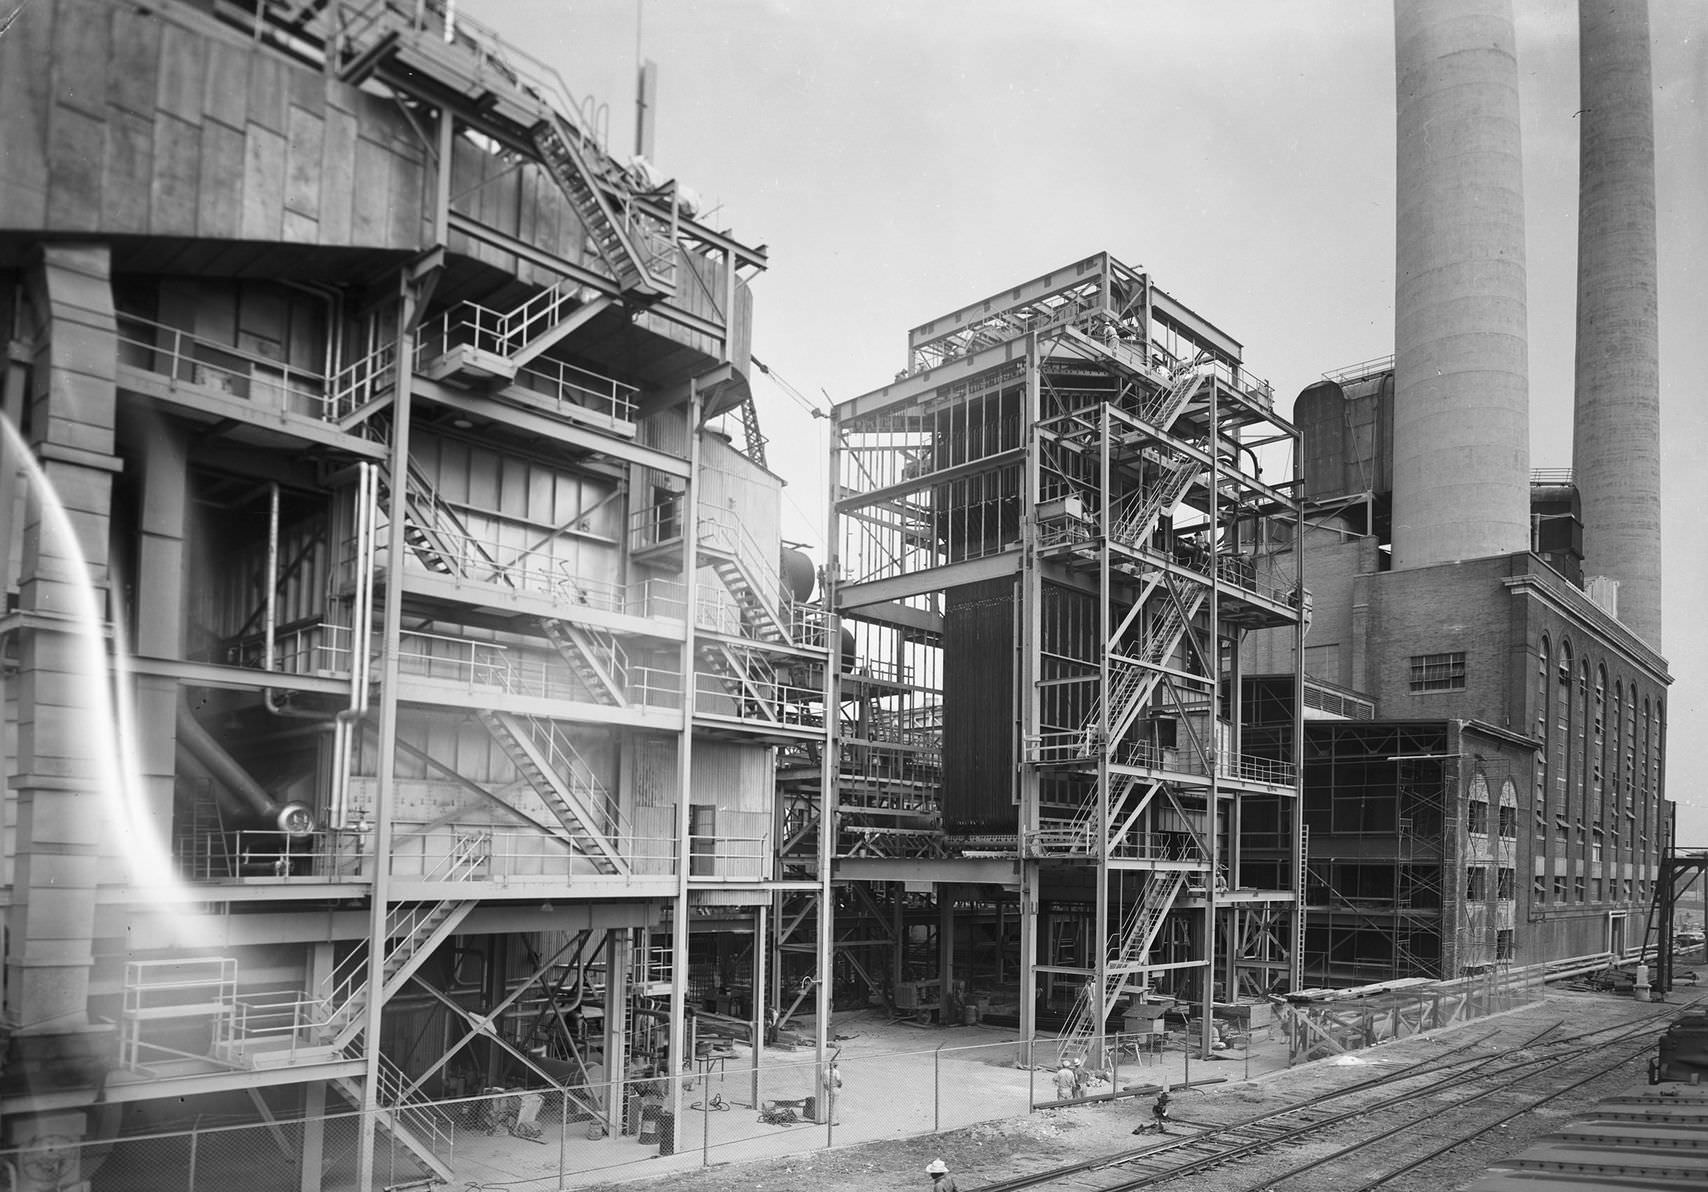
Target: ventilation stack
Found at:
1616, 428
1461, 385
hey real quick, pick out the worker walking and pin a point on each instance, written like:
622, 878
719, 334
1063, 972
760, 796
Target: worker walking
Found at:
941, 1180
1066, 1080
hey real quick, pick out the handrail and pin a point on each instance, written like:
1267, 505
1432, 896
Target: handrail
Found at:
172, 352
534, 76
362, 381
566, 761
342, 992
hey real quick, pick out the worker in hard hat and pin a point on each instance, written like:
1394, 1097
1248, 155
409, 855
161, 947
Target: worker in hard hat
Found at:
941, 1180
1067, 1081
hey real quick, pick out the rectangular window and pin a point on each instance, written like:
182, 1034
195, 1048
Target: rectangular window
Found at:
1539, 888
1503, 944
1506, 884
1577, 888
1476, 883
1559, 887
1595, 889
1438, 672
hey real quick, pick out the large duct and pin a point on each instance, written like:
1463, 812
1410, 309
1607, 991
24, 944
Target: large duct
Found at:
1616, 428
195, 742
1461, 379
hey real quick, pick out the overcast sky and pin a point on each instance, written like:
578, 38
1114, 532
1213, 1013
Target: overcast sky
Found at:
901, 159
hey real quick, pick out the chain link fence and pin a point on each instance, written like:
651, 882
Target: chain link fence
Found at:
724, 1110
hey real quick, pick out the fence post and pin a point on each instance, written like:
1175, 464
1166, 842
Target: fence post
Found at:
1031, 1083
706, 1122
195, 1137
937, 1089
562, 1132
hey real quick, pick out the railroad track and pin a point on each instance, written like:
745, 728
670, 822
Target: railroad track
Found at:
1424, 1086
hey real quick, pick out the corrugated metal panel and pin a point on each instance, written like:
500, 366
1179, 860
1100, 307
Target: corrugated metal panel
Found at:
978, 708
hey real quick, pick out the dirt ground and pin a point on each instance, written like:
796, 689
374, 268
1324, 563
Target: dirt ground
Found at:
998, 1149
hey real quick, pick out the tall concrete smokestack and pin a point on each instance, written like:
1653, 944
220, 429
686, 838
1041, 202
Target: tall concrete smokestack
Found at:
1616, 443
1461, 365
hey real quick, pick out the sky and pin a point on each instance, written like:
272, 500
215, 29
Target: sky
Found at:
902, 158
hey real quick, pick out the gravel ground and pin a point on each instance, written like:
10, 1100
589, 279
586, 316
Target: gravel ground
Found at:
1000, 1149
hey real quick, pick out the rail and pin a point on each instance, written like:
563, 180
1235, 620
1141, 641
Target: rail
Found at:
344, 991
430, 1125
569, 385
279, 1024
757, 700
729, 858
324, 855
420, 851
363, 382
210, 366
565, 760
505, 333
366, 24
320, 648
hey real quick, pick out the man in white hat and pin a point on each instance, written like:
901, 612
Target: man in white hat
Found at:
941, 1180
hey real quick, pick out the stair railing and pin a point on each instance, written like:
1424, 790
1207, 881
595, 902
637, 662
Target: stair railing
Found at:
344, 990
567, 763
424, 1120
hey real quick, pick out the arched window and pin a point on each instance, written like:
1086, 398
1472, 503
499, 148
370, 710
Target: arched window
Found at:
1544, 714
1630, 759
1609, 806
1643, 790
1598, 744
1567, 724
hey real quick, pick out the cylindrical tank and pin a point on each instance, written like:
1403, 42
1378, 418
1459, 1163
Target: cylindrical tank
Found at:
1616, 425
1461, 371
797, 571
849, 653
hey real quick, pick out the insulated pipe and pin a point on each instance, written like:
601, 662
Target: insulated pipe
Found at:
1461, 368
367, 485
293, 819
272, 598
1616, 422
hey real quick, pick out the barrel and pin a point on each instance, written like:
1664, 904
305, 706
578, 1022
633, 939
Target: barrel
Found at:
666, 1132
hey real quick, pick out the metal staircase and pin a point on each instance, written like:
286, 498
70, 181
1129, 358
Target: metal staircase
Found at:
1137, 934
1135, 678
1162, 409
747, 679
415, 1123
726, 546
436, 535
620, 237
595, 657
1135, 526
546, 758
413, 931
